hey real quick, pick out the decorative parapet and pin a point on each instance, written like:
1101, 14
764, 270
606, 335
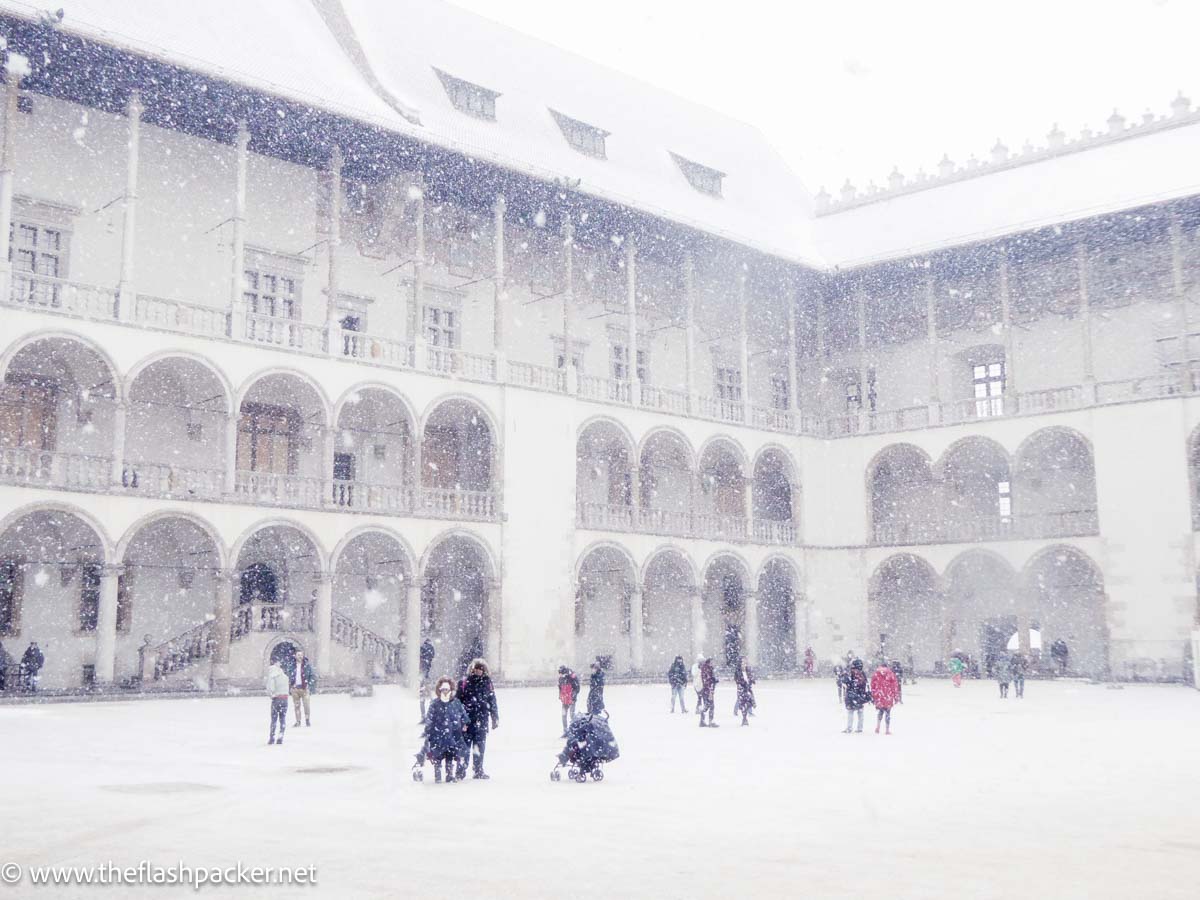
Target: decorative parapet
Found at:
1000, 158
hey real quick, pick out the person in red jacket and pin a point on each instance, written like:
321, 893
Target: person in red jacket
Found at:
885, 690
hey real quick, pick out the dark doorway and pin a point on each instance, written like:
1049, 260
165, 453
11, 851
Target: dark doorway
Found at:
258, 585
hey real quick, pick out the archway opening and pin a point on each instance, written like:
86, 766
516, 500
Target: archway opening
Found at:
667, 610
777, 592
603, 609
278, 572
373, 453
724, 605
907, 613
454, 605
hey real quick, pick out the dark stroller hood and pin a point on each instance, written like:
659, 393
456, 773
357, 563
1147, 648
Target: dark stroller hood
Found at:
592, 737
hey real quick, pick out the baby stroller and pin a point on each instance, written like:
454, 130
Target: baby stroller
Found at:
590, 744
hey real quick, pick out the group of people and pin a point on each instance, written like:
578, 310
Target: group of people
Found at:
457, 722
569, 687
704, 682
23, 675
883, 691
290, 677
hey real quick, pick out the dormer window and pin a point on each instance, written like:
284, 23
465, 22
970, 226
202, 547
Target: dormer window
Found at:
702, 178
581, 136
469, 98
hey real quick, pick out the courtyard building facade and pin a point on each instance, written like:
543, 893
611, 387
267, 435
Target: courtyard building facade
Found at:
401, 341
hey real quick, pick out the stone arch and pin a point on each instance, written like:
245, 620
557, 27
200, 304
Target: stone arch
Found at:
603, 606
1064, 595
603, 467
666, 479
278, 566
905, 612
374, 449
723, 603
722, 479
283, 421
902, 496
669, 607
262, 375
372, 570
459, 445
458, 612
976, 489
16, 347
122, 546
1054, 483
776, 495
779, 630
178, 407
983, 607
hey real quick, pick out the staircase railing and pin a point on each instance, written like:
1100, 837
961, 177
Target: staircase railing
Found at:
374, 646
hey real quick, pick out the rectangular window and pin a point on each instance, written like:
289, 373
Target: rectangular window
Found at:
620, 364
581, 136
267, 440
10, 598
781, 397
27, 414
729, 383
441, 327
988, 382
37, 255
560, 360
703, 178
1004, 500
469, 98
271, 294
854, 400
89, 597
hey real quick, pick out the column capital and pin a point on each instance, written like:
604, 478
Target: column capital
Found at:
113, 570
336, 160
134, 108
226, 575
242, 138
499, 205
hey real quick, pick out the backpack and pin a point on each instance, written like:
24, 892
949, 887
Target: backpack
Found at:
566, 692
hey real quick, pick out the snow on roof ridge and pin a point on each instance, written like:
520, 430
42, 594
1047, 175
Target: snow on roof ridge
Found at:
1000, 158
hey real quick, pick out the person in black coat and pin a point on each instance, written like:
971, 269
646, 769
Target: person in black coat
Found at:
445, 731
677, 677
595, 700
479, 700
426, 657
31, 664
856, 693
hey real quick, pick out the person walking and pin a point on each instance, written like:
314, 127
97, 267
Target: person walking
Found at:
303, 681
277, 690
957, 666
1060, 653
568, 695
743, 678
899, 670
885, 693
1016, 668
677, 677
810, 662
1003, 673
426, 655
31, 664
855, 694
698, 685
708, 683
479, 700
595, 699
445, 731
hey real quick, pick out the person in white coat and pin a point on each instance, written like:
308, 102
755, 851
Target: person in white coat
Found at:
277, 690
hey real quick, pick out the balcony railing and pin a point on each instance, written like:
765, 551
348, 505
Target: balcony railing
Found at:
70, 298
770, 532
392, 499
49, 468
1050, 400
443, 503
665, 400
371, 349
176, 315
1032, 526
721, 410
166, 480
899, 419
664, 521
542, 378
280, 490
272, 617
717, 527
289, 334
603, 389
771, 419
605, 516
447, 361
682, 523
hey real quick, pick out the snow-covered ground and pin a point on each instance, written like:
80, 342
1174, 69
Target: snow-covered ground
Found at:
1076, 791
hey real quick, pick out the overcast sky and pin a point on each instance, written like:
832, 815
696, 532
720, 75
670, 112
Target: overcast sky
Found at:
849, 88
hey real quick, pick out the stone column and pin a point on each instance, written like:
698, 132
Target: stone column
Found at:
7, 167
800, 625
1180, 296
231, 441
698, 629
1010, 390
635, 383
415, 332
237, 304
570, 376
1023, 633
864, 374
328, 447
498, 289
117, 473
126, 296
412, 628
495, 623
752, 627
323, 623
1085, 325
637, 635
106, 624
935, 391
222, 626
333, 328
689, 327
744, 346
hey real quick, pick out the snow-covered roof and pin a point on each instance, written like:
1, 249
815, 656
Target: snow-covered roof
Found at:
384, 72
1122, 168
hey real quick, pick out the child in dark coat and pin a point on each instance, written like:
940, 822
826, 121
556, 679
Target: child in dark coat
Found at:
445, 730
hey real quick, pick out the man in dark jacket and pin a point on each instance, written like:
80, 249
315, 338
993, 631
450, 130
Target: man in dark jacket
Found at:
708, 687
568, 695
595, 700
677, 679
856, 694
302, 681
31, 664
479, 700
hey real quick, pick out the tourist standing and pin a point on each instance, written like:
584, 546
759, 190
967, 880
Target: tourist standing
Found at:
708, 683
302, 681
445, 730
479, 700
956, 670
899, 670
677, 677
855, 694
277, 690
427, 653
1003, 672
885, 693
698, 685
568, 695
743, 677
595, 699
31, 664
1016, 668
810, 662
